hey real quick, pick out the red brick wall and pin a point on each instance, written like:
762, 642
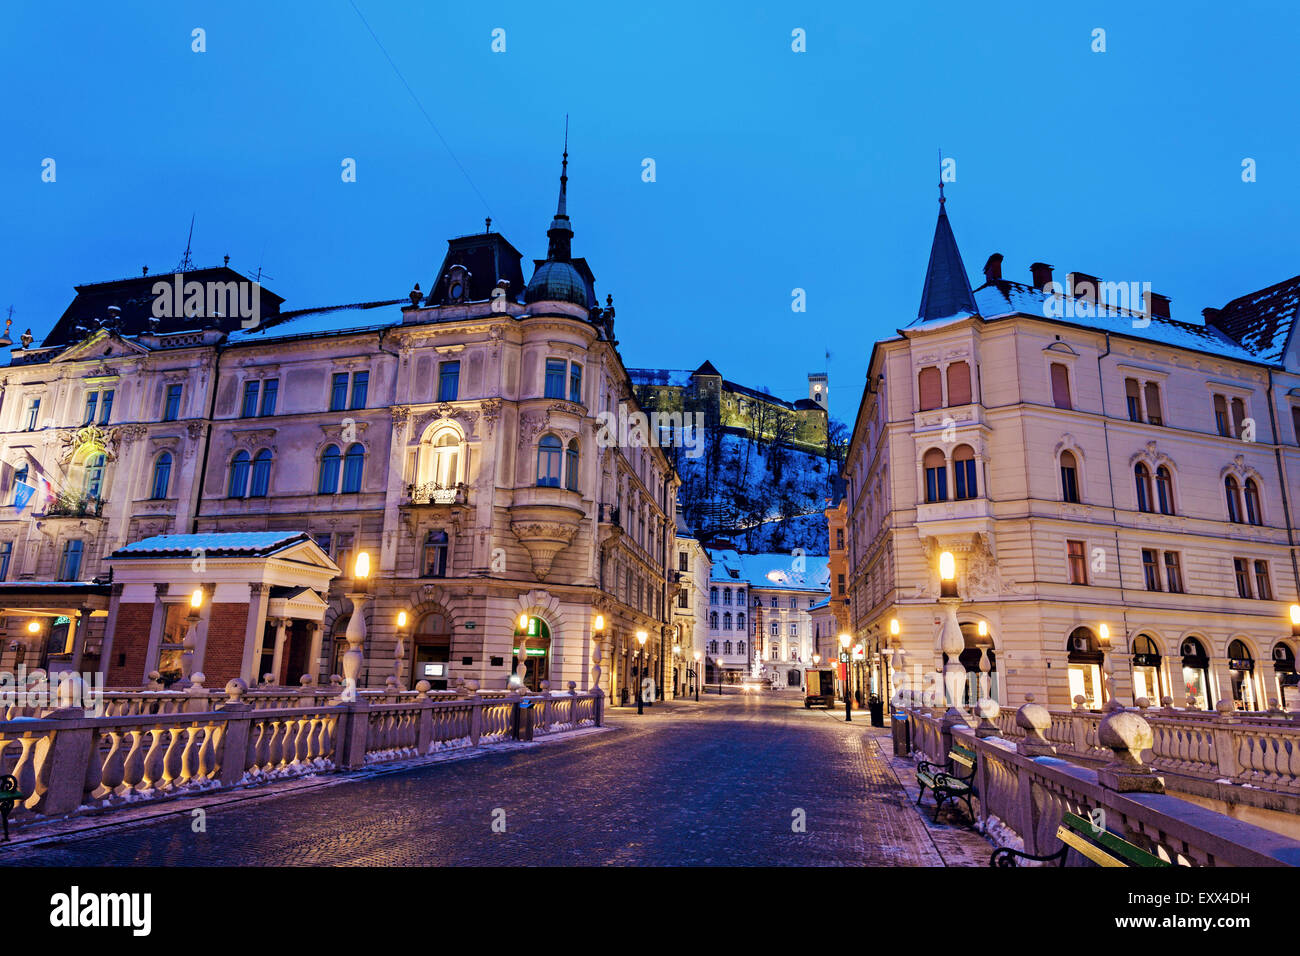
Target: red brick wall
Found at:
227, 624
132, 639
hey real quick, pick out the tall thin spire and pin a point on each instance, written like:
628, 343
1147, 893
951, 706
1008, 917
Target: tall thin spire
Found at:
941, 199
947, 289
560, 234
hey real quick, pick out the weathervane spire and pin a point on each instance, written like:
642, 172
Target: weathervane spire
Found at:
941, 199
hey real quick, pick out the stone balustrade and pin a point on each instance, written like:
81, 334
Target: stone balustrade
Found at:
1231, 746
154, 745
1026, 789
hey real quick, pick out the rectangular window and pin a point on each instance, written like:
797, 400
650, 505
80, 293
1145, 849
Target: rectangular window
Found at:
106, 407
555, 378
1153, 404
448, 381
1173, 572
343, 553
964, 474
92, 404
1078, 563
1263, 587
339, 392
70, 560
575, 383
360, 385
270, 390
250, 399
1241, 569
172, 403
683, 561
1133, 396
936, 484
839, 539
33, 413
683, 598
6, 552
1150, 569
840, 582
1060, 386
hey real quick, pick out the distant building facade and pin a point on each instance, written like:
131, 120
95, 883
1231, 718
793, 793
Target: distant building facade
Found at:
691, 609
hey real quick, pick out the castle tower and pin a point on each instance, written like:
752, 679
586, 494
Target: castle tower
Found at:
819, 389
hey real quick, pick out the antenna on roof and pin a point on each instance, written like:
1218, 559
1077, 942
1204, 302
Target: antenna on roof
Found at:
187, 263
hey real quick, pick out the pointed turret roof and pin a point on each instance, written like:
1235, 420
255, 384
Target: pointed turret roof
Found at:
947, 290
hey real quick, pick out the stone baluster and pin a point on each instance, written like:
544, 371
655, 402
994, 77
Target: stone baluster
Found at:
987, 710
1127, 735
1034, 719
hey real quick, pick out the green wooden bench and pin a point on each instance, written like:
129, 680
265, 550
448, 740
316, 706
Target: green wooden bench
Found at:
9, 795
1091, 842
950, 782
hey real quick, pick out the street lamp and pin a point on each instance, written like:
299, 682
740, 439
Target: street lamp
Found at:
641, 637
717, 667
696, 681
356, 632
190, 641
1295, 620
817, 659
845, 640
399, 652
947, 575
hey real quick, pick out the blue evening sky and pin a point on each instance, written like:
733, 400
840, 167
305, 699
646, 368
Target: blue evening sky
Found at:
775, 169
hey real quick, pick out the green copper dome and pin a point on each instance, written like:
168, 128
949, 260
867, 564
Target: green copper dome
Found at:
557, 281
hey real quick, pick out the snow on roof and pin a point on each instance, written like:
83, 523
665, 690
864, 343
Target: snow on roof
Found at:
1014, 298
660, 376
779, 570
335, 319
234, 542
1262, 320
820, 604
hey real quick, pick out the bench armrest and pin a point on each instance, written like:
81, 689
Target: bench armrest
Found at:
1005, 856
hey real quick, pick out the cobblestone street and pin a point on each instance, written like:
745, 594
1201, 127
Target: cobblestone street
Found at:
714, 783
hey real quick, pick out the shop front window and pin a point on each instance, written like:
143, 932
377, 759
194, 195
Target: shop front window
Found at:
1196, 674
1083, 663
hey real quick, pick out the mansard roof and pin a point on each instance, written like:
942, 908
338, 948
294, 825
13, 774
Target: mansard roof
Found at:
1262, 321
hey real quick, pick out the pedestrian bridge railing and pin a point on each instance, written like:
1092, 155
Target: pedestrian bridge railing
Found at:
68, 763
1025, 787
1253, 749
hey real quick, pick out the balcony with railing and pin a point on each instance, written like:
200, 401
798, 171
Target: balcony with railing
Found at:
75, 506
432, 493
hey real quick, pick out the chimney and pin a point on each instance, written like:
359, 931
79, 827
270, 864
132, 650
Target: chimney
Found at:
993, 268
1211, 316
1157, 305
1083, 286
1042, 273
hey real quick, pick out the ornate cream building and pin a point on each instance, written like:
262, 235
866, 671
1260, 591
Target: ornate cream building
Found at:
453, 439
1116, 487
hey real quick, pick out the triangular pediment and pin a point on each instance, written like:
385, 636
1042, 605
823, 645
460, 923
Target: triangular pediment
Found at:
101, 344
309, 553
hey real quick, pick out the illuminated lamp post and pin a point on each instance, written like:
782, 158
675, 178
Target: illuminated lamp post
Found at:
190, 642
845, 640
950, 641
696, 677
399, 651
356, 632
641, 638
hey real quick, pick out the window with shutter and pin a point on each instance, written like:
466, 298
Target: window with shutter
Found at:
930, 387
1060, 386
959, 384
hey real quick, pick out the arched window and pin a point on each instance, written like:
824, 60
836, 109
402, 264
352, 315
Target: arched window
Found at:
963, 472
549, 452
1069, 477
1232, 493
446, 460
353, 463
726, 622
930, 387
713, 595
740, 621
936, 476
1165, 490
958, 384
329, 471
713, 620
162, 475
571, 466
1060, 386
238, 475
94, 476
1142, 478
740, 647
1253, 515
261, 482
